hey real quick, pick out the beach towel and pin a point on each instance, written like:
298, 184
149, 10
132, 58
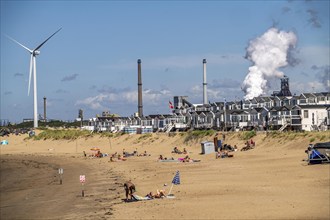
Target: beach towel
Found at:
169, 160
140, 198
170, 196
190, 161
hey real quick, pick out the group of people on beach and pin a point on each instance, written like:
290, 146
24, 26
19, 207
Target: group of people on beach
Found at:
249, 145
130, 190
135, 153
116, 156
177, 151
223, 154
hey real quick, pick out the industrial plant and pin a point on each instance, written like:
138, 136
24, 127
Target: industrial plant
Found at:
281, 111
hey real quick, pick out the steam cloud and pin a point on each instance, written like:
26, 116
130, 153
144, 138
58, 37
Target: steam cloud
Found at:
268, 53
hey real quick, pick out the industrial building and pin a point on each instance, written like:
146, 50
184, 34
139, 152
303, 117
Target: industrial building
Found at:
280, 111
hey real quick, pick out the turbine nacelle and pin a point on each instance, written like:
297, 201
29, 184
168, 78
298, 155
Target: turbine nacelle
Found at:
36, 52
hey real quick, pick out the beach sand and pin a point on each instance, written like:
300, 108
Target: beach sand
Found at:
271, 181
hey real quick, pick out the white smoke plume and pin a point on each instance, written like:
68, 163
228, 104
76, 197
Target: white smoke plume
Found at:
268, 53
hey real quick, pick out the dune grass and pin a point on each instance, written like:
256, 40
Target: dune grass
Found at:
62, 134
197, 135
246, 135
292, 135
190, 136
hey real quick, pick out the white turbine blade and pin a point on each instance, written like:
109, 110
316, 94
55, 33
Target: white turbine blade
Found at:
30, 75
46, 40
19, 44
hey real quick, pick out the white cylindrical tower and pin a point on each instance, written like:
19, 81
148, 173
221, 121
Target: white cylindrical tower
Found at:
204, 83
140, 106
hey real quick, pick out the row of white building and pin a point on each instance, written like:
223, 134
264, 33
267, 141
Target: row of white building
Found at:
306, 112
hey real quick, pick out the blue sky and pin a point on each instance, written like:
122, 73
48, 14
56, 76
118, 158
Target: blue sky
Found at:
91, 64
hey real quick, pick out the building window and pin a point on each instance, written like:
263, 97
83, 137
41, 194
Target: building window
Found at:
305, 113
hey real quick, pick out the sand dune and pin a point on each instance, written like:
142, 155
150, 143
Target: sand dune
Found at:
269, 182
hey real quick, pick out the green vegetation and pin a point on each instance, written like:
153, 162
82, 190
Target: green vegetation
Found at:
172, 134
143, 137
51, 124
191, 136
107, 134
322, 137
62, 134
293, 135
197, 134
246, 135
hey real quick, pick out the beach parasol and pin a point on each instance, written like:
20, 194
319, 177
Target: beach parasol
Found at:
95, 149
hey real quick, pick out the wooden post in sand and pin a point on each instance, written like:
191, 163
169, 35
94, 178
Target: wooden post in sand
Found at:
60, 172
82, 181
110, 148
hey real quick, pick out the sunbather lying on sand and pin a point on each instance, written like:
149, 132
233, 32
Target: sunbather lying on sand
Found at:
247, 146
144, 154
121, 158
159, 194
164, 158
128, 154
99, 154
176, 150
187, 159
223, 154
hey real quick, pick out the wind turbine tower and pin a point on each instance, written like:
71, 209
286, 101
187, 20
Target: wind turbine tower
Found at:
33, 69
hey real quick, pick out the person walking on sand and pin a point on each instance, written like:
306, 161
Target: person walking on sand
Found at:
129, 189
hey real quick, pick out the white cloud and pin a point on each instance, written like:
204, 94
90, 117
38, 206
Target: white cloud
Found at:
99, 102
301, 87
213, 94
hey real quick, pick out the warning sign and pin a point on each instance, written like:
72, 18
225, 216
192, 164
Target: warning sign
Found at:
82, 178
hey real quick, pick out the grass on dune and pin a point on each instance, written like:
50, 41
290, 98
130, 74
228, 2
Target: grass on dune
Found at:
190, 136
62, 134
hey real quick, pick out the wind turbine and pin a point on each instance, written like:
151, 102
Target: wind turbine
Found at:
33, 67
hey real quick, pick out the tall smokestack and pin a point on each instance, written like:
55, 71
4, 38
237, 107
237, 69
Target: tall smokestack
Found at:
140, 106
45, 109
204, 83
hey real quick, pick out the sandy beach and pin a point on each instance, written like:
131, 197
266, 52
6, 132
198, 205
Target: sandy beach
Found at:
271, 181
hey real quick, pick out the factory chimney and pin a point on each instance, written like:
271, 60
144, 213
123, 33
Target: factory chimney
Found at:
45, 109
140, 106
204, 83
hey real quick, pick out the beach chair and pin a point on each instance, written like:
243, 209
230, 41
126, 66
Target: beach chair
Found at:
318, 153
